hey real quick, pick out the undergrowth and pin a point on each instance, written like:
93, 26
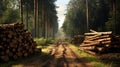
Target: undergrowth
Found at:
44, 42
93, 60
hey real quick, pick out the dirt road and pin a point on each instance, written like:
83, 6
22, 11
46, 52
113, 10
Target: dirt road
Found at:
59, 56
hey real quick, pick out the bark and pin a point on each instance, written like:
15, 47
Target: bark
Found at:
100, 42
21, 10
16, 42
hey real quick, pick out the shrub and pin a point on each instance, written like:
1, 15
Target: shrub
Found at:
44, 42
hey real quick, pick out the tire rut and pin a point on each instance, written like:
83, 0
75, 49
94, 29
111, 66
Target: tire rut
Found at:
60, 56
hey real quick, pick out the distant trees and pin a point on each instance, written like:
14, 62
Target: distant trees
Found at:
103, 15
43, 12
8, 11
39, 16
114, 16
75, 21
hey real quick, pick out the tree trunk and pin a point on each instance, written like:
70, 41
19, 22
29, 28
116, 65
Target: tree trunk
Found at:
36, 17
27, 11
43, 19
114, 14
46, 26
21, 10
37, 30
87, 19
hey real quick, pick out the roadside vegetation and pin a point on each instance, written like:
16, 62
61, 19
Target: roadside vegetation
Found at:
108, 60
44, 42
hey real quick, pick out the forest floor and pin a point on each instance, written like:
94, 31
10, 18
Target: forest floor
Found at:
58, 56
64, 55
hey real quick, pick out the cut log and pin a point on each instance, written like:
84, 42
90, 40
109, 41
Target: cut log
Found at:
15, 42
5, 58
15, 57
106, 42
88, 48
19, 54
100, 33
25, 54
90, 52
93, 31
96, 37
102, 41
105, 39
91, 44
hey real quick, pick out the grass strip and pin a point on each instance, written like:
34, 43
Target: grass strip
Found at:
94, 61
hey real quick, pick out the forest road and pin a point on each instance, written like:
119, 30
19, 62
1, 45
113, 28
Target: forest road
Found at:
59, 56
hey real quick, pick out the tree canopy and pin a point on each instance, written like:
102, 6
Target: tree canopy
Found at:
8, 11
39, 16
103, 16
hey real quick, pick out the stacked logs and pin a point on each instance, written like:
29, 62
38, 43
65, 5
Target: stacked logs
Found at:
15, 42
77, 39
100, 42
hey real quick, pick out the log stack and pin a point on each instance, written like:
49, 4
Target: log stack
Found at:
15, 42
77, 39
100, 42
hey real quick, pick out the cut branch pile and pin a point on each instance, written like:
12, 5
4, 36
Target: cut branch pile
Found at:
100, 42
15, 42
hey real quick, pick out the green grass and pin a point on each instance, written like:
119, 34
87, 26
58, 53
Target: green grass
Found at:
94, 61
44, 42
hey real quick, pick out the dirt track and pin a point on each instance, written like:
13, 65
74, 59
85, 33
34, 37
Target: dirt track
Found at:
59, 56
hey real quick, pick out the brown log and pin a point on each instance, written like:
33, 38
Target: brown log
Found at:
15, 41
9, 35
25, 54
106, 42
5, 58
30, 50
100, 49
95, 43
19, 54
19, 49
93, 31
108, 45
96, 37
14, 50
105, 39
11, 45
15, 57
88, 48
87, 41
90, 52
4, 39
91, 44
99, 33
7, 51
90, 37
